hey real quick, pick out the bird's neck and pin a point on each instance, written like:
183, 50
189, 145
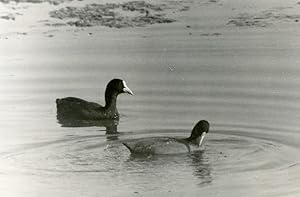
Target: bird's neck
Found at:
111, 102
194, 140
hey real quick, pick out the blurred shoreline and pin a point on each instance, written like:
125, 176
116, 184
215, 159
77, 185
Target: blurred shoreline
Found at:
21, 18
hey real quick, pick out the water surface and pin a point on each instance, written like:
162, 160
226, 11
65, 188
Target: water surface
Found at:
245, 82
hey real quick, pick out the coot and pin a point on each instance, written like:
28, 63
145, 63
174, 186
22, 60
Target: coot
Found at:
78, 109
170, 145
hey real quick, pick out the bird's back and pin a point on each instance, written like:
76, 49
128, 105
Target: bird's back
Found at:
158, 145
76, 108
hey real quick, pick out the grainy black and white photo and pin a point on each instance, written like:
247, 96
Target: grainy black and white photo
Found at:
149, 98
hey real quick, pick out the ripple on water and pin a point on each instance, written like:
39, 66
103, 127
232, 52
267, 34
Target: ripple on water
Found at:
237, 154
233, 151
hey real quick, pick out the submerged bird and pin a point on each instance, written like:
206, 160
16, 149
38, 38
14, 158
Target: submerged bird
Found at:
170, 145
71, 108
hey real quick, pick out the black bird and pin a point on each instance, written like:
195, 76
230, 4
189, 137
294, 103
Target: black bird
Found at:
71, 108
170, 145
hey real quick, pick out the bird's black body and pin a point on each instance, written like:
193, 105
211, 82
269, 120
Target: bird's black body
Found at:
170, 145
76, 108
71, 108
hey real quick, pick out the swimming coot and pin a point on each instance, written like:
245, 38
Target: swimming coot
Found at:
79, 109
170, 145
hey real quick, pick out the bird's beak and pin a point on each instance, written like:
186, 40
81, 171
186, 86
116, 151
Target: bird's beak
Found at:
202, 138
126, 89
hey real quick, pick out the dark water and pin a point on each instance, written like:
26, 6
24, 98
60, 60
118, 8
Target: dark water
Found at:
245, 83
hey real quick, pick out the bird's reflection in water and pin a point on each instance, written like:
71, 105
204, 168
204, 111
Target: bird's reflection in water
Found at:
111, 126
202, 168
